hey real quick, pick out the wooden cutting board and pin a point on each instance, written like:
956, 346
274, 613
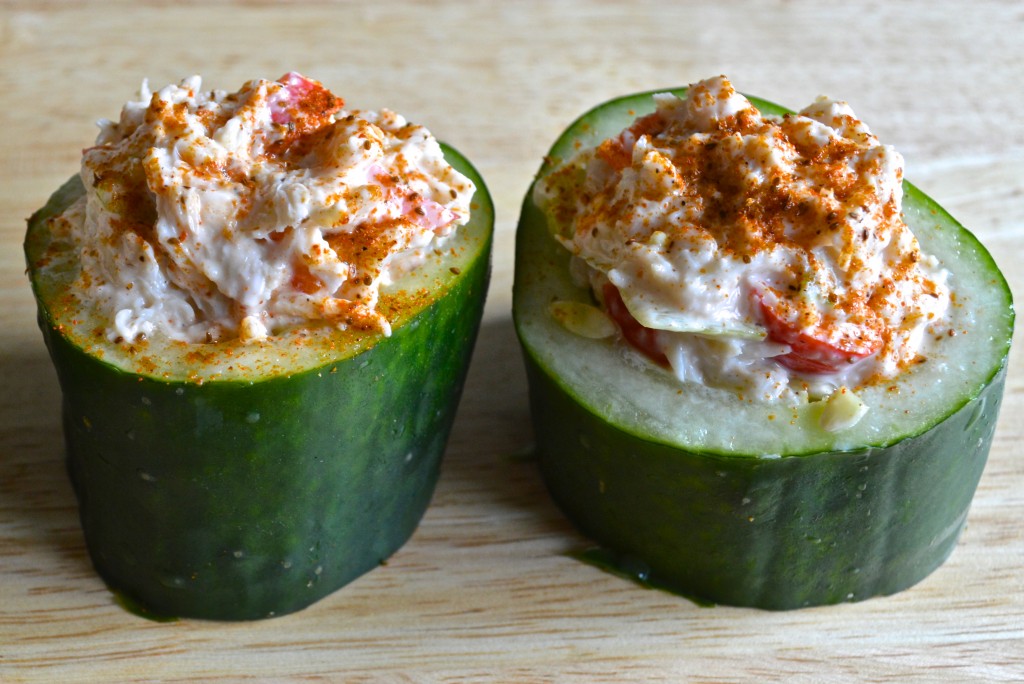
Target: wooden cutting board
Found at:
487, 589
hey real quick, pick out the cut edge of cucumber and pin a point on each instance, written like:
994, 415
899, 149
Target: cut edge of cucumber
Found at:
786, 431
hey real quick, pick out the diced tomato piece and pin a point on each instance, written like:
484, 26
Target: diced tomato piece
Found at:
644, 339
811, 350
303, 101
420, 210
427, 214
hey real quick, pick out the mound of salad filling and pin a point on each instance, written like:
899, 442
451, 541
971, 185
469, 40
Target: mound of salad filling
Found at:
211, 215
761, 254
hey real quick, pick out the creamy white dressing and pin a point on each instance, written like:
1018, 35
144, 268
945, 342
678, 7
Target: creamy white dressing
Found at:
209, 215
763, 254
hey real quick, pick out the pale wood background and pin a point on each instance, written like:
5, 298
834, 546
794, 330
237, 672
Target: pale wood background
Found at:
486, 589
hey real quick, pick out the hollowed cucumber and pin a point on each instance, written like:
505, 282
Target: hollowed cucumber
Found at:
746, 503
232, 481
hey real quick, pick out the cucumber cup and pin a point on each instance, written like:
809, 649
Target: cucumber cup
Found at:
755, 504
236, 481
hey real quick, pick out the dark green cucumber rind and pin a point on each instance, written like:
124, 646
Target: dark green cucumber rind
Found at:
235, 500
772, 533
810, 520
263, 499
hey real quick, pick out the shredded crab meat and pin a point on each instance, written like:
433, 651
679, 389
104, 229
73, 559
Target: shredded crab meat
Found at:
210, 215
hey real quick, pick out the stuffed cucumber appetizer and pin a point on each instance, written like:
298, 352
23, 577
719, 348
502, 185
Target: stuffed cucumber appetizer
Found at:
261, 307
764, 370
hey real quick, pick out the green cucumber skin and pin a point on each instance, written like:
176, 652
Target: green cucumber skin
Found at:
814, 527
238, 500
772, 533
266, 497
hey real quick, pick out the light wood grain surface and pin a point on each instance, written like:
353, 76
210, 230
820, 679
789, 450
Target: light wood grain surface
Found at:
487, 590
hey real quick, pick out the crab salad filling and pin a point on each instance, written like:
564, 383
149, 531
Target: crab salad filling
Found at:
211, 215
765, 255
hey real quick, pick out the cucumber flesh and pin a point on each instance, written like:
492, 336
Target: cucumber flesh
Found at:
752, 503
230, 481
